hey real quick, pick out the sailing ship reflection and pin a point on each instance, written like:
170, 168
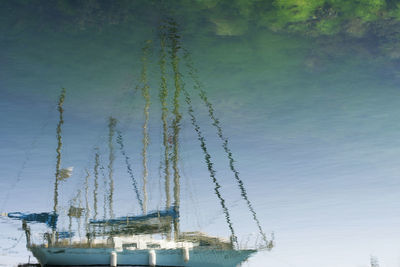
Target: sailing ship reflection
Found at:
151, 238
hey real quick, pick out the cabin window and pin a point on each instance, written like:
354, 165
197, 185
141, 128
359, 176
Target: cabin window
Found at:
131, 245
152, 245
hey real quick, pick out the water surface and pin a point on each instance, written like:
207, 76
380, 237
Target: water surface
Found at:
311, 115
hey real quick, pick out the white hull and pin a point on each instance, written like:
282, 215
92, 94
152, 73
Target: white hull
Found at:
198, 257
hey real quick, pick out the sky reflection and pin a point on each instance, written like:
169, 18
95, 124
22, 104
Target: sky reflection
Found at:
311, 122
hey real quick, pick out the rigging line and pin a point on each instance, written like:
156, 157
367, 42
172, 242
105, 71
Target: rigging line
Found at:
105, 192
146, 96
112, 123
79, 220
28, 155
126, 88
80, 181
96, 182
120, 141
129, 85
173, 38
210, 166
104, 189
163, 94
87, 207
160, 178
59, 146
225, 142
16, 243
70, 229
189, 191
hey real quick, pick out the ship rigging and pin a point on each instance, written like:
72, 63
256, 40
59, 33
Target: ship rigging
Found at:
129, 239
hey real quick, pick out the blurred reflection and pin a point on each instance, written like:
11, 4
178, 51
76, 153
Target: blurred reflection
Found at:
144, 238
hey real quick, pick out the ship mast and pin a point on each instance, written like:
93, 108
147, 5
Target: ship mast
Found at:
175, 46
96, 182
111, 132
59, 146
146, 96
58, 157
163, 94
87, 207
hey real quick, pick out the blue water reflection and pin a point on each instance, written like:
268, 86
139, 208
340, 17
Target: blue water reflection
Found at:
297, 130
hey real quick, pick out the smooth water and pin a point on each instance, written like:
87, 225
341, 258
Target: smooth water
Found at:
309, 106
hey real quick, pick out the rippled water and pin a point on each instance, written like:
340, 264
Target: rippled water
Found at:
275, 129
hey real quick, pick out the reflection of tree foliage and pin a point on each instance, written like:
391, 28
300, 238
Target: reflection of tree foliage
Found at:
340, 20
306, 16
69, 14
